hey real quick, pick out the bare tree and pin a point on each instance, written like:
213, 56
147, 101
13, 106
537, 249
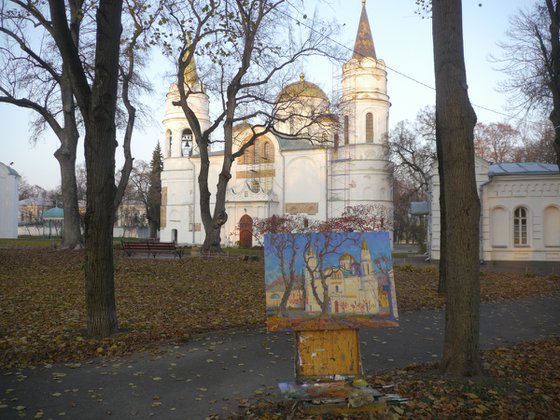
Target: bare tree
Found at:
455, 121
138, 24
249, 48
412, 157
97, 102
317, 250
282, 243
531, 58
496, 142
138, 190
537, 143
34, 78
26, 190
412, 153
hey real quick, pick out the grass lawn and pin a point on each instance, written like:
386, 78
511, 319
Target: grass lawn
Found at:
42, 320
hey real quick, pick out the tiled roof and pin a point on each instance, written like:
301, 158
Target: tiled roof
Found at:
294, 143
524, 168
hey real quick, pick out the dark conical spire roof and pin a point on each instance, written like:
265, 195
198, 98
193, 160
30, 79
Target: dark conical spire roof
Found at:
363, 47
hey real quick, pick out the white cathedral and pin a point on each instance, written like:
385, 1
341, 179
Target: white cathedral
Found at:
284, 174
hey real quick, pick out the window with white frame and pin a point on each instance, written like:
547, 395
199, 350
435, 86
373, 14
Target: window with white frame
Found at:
520, 237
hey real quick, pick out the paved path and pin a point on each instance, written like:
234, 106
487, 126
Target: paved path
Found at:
213, 373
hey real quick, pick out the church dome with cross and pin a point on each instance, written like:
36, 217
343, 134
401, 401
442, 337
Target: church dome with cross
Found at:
301, 89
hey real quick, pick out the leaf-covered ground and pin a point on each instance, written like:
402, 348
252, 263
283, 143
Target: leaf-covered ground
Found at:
520, 382
42, 312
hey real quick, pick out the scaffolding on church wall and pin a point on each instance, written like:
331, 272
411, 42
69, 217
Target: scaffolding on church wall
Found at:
339, 162
340, 159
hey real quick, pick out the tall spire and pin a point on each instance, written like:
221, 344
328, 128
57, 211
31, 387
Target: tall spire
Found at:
363, 47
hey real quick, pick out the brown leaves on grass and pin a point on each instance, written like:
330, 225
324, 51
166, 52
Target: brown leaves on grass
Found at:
42, 309
522, 381
417, 287
42, 316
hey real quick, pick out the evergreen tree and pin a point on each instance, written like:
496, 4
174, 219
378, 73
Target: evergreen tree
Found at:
154, 191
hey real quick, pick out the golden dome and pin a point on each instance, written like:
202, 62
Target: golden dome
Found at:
301, 89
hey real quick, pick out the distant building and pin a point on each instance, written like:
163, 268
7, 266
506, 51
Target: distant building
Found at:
131, 220
520, 213
9, 184
31, 210
53, 222
284, 172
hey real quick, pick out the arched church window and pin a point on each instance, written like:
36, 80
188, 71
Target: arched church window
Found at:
369, 127
268, 155
346, 130
520, 227
186, 142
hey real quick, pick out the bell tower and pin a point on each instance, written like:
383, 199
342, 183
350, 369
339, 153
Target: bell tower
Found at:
179, 141
178, 179
362, 156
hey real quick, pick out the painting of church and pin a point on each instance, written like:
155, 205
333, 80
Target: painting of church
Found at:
284, 172
352, 286
329, 280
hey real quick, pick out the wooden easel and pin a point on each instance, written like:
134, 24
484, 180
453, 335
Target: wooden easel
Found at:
329, 362
324, 354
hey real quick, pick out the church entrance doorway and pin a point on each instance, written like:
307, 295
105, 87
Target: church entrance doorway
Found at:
246, 231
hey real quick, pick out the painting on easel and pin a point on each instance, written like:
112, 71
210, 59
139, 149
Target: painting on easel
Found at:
329, 280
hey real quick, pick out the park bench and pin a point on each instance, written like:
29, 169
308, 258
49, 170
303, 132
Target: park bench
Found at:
151, 248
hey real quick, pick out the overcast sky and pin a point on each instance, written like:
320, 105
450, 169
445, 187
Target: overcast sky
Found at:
402, 39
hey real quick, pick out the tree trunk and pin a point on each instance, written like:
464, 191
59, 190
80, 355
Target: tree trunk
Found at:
153, 229
554, 13
100, 145
284, 301
100, 287
211, 229
66, 156
456, 121
219, 218
442, 213
98, 107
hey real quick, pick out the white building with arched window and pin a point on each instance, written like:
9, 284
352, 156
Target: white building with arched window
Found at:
284, 172
520, 205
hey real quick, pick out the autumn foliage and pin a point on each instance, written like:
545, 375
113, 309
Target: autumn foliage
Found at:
42, 312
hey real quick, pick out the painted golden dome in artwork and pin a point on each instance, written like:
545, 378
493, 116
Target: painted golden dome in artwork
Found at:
301, 89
